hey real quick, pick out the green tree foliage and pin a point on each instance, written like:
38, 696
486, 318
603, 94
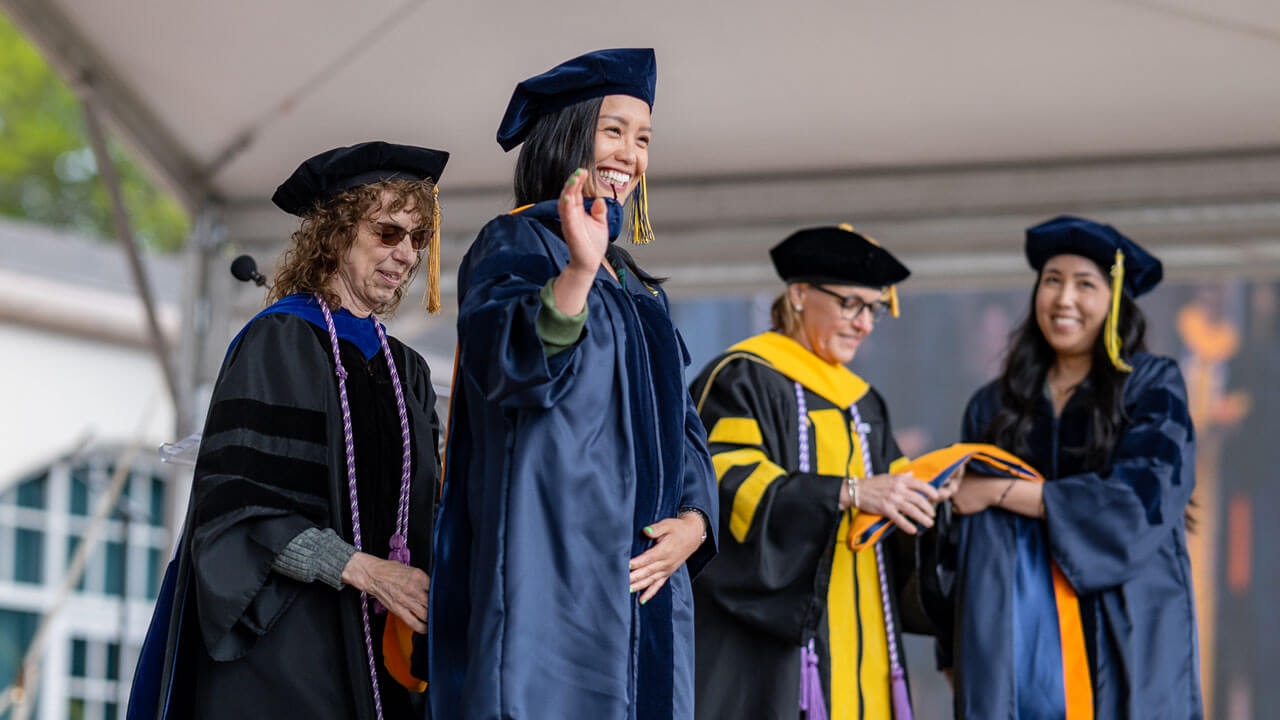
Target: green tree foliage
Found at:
47, 168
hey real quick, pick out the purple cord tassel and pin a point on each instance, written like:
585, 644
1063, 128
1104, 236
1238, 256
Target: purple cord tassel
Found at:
399, 550
811, 700
399, 553
901, 698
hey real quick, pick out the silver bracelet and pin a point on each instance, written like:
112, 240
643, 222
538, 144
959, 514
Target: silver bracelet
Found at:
706, 522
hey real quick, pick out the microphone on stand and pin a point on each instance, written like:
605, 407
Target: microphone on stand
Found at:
245, 269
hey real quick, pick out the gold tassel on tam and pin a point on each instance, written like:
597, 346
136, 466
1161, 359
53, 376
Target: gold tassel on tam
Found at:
641, 231
431, 294
891, 292
1112, 328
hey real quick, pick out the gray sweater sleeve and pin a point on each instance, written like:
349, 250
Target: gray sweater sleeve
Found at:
315, 554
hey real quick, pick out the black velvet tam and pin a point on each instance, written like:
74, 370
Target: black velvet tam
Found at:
323, 176
1067, 235
624, 71
836, 255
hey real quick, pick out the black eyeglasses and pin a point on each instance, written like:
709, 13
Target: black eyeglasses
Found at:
391, 234
851, 306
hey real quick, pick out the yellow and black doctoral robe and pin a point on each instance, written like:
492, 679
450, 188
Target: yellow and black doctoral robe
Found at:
785, 573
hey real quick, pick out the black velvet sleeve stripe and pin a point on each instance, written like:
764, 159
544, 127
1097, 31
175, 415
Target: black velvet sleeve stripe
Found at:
306, 478
237, 493
270, 444
267, 419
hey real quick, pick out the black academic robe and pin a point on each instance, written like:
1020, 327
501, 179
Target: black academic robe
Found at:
554, 467
786, 573
1117, 533
242, 640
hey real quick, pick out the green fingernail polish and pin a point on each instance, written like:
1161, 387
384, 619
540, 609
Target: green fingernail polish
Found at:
573, 180
577, 172
644, 601
648, 529
631, 566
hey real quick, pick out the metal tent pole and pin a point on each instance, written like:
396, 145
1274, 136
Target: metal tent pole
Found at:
124, 231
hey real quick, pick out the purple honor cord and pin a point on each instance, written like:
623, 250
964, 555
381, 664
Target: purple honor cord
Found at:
399, 548
812, 702
809, 677
897, 676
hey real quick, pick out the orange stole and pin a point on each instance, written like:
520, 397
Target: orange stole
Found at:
397, 648
934, 468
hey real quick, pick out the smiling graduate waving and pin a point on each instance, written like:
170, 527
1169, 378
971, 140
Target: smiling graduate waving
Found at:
578, 484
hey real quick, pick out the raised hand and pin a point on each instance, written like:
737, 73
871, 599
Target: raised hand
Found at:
400, 588
587, 235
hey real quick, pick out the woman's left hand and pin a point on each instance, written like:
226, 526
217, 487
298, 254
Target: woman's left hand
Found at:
977, 493
675, 539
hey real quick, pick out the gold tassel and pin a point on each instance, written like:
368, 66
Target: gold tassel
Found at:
892, 291
431, 293
641, 231
1112, 329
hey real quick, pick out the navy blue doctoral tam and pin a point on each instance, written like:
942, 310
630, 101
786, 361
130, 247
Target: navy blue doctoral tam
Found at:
623, 71
1068, 235
320, 178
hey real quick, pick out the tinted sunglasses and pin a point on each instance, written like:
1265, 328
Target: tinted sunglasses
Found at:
392, 234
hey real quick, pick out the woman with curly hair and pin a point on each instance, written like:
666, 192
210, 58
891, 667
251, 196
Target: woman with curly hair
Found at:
301, 580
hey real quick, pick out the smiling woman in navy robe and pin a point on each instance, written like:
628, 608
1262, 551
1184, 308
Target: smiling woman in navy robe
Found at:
1072, 598
578, 484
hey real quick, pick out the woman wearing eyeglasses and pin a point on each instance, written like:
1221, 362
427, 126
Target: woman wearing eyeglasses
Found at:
300, 583
578, 484
790, 621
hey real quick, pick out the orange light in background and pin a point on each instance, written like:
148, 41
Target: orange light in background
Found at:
1239, 543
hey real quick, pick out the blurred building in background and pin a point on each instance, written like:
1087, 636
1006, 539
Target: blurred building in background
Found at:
82, 395
942, 130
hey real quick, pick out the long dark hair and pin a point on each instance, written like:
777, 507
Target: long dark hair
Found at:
559, 143
1027, 366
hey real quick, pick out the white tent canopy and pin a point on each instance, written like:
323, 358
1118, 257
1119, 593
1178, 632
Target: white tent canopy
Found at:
941, 128
823, 99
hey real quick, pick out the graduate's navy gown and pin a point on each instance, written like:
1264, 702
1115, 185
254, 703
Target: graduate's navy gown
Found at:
1119, 537
554, 466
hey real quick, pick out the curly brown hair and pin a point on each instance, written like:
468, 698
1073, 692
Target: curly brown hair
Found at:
327, 233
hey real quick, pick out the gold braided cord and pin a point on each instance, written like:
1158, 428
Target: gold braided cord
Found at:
1112, 329
431, 294
641, 231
